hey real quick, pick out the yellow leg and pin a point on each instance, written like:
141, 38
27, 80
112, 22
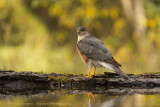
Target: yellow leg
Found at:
94, 71
89, 75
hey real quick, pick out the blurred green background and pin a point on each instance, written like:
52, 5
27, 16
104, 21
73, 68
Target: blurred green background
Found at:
40, 35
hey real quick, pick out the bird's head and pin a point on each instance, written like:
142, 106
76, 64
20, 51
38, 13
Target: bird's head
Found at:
81, 30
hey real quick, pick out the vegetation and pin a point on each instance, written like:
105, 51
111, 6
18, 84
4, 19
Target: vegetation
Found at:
40, 35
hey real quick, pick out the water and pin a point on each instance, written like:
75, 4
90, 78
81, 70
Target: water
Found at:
81, 98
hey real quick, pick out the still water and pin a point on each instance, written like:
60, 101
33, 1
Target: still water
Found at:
65, 98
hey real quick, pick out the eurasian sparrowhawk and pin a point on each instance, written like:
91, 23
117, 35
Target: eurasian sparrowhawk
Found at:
95, 54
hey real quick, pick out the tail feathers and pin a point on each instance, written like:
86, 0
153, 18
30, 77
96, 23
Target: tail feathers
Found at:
116, 69
121, 73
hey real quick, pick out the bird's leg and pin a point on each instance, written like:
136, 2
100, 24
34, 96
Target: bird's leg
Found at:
89, 75
94, 73
89, 67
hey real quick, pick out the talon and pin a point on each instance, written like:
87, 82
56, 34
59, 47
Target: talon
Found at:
89, 76
95, 75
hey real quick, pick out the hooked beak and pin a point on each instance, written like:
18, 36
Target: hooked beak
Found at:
78, 31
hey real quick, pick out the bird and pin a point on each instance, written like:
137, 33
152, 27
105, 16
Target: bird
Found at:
94, 53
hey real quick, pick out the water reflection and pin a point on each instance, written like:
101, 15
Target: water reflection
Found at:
81, 98
115, 101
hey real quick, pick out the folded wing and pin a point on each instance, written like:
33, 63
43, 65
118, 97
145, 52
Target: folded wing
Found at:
95, 49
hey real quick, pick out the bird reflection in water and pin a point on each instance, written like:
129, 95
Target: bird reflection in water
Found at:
114, 102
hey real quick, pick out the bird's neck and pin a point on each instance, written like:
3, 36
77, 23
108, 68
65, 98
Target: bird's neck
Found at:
80, 37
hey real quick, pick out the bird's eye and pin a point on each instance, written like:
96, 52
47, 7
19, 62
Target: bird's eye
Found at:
82, 30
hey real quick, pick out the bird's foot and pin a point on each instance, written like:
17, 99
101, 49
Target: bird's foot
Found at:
89, 76
94, 74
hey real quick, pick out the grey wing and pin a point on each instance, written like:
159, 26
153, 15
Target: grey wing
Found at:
95, 49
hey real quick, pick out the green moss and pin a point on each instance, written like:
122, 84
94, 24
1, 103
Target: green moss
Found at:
59, 78
41, 72
81, 75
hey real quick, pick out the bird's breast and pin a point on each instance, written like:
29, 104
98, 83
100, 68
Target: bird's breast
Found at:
84, 58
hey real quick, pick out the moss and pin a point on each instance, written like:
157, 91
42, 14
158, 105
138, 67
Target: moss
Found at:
59, 78
51, 77
69, 74
81, 75
41, 72
106, 78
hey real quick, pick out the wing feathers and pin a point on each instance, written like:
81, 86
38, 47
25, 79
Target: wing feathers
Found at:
95, 49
